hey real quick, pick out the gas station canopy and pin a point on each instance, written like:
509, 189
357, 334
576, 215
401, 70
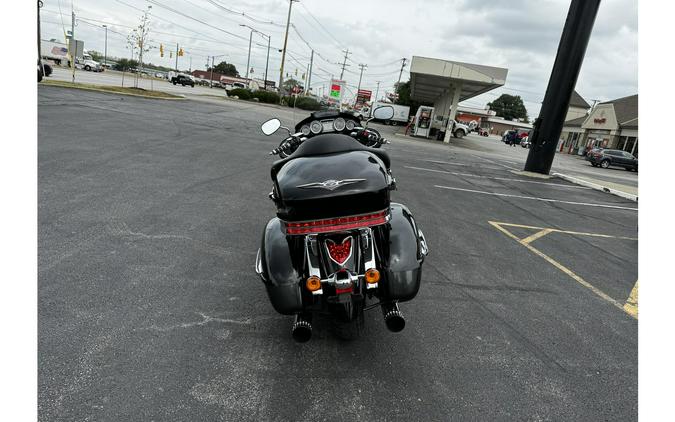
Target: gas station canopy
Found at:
432, 78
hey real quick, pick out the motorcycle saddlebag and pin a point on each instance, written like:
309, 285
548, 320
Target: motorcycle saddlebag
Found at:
403, 256
275, 266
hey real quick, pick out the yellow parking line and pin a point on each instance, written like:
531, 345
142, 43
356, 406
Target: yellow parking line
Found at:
550, 230
631, 305
536, 236
558, 265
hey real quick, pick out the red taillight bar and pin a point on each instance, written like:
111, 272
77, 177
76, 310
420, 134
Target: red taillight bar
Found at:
336, 224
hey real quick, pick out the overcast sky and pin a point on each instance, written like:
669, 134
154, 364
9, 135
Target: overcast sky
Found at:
520, 35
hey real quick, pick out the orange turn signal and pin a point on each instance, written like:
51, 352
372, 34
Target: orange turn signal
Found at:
313, 283
372, 276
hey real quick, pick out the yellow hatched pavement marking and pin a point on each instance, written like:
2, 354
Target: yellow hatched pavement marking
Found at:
631, 305
549, 230
536, 236
543, 231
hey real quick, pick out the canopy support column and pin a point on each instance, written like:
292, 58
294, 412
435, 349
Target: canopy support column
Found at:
457, 89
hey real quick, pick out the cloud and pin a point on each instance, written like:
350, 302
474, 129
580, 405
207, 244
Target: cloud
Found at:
521, 35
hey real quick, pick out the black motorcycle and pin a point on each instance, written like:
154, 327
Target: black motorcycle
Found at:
338, 246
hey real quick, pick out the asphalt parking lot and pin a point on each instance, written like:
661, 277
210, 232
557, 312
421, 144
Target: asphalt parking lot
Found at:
150, 214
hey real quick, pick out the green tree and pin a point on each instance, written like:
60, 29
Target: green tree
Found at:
509, 107
403, 97
224, 68
126, 64
96, 55
289, 84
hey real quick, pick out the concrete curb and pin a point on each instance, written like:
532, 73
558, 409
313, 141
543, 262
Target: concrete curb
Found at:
112, 92
595, 186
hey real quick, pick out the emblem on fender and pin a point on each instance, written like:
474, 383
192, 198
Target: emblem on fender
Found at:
330, 184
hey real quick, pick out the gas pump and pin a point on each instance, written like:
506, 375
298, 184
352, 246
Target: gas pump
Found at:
423, 121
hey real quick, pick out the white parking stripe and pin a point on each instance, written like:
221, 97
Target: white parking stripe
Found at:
494, 162
586, 204
560, 185
444, 162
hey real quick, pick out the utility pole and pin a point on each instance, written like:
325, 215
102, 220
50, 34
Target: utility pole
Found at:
176, 57
190, 63
378, 90
105, 49
248, 61
267, 62
570, 56
73, 45
362, 66
212, 61
309, 77
403, 60
39, 37
344, 63
283, 54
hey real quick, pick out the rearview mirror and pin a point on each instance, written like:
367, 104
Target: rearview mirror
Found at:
270, 126
383, 113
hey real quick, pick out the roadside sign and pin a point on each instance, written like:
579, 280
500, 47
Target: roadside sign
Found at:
362, 97
336, 88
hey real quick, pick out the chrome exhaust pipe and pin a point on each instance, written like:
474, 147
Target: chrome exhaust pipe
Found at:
393, 318
301, 330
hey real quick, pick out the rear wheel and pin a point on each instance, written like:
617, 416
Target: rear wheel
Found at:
350, 330
604, 164
459, 134
87, 68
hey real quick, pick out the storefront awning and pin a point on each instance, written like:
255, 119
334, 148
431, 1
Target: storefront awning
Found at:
432, 78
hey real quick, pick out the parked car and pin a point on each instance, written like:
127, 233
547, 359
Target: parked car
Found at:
612, 157
525, 142
182, 80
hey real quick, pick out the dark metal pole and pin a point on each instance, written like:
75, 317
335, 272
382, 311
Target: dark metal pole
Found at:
568, 60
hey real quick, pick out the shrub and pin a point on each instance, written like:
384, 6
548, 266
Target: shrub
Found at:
242, 93
268, 97
304, 103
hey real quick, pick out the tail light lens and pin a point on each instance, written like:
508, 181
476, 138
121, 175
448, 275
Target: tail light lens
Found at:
337, 224
339, 252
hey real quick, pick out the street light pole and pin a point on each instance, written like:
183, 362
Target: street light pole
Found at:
105, 50
248, 65
283, 54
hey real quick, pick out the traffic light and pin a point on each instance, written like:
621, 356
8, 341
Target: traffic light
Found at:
180, 52
171, 54
161, 50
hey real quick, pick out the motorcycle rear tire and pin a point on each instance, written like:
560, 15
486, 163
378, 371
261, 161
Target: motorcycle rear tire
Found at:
350, 330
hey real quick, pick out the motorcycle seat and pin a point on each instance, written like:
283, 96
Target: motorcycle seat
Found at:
329, 144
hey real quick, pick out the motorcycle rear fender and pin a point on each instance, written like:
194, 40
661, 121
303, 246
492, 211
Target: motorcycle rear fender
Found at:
274, 264
407, 249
